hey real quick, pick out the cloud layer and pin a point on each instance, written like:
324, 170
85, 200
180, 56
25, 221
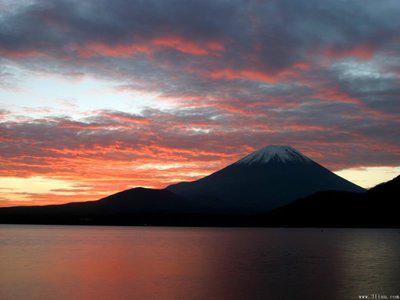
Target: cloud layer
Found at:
322, 76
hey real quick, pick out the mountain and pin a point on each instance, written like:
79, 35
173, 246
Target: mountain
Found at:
378, 207
240, 194
132, 200
130, 206
263, 180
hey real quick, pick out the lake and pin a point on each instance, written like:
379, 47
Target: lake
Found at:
84, 262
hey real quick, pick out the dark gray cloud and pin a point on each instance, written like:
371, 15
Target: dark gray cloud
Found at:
276, 33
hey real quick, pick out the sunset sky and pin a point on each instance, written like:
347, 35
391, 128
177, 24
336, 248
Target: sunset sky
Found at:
100, 96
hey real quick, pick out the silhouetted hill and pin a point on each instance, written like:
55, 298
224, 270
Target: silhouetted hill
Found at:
128, 201
389, 188
120, 208
265, 179
378, 207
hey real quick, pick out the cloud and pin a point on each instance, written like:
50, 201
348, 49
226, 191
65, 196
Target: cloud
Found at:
319, 75
273, 34
200, 49
205, 136
108, 151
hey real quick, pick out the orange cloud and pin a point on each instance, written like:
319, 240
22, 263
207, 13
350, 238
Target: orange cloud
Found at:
19, 54
363, 52
231, 74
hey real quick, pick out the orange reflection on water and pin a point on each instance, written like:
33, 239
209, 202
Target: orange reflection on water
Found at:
83, 262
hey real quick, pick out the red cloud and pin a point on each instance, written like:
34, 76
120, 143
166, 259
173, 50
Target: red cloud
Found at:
101, 49
125, 49
148, 47
187, 46
255, 74
334, 94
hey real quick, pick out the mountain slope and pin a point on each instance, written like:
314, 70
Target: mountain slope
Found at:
122, 207
133, 200
265, 179
378, 207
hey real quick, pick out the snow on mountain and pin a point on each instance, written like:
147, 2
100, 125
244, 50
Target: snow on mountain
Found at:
273, 152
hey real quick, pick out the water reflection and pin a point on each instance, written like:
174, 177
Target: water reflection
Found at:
61, 262
371, 262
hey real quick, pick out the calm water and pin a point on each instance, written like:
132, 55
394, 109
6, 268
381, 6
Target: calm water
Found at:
68, 262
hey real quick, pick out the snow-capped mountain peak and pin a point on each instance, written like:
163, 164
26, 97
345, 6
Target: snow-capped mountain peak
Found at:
273, 152
263, 180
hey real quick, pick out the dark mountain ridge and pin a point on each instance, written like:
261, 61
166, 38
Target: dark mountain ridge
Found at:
131, 206
378, 207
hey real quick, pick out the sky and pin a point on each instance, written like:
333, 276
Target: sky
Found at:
100, 96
